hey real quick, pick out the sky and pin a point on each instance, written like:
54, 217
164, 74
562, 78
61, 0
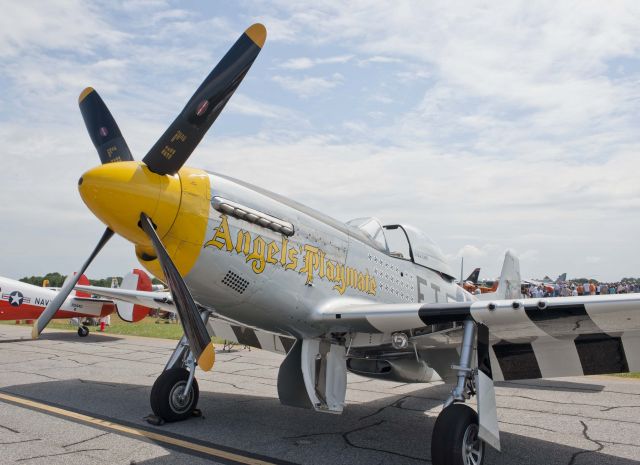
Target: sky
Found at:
488, 125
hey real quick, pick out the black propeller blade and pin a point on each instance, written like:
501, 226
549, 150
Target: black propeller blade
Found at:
194, 328
103, 130
53, 306
175, 146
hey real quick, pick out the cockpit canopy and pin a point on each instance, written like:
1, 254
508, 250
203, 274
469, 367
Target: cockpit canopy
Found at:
372, 228
416, 245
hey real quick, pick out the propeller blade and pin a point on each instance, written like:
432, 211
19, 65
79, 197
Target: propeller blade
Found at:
194, 328
55, 304
103, 130
175, 146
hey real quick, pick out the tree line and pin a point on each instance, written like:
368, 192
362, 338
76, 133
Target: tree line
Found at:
56, 280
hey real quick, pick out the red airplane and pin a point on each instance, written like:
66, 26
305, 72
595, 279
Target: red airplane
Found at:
22, 301
471, 284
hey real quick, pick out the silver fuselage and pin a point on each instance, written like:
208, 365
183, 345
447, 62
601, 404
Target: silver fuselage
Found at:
265, 279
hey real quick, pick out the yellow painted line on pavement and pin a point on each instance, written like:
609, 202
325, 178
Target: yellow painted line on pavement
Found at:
211, 451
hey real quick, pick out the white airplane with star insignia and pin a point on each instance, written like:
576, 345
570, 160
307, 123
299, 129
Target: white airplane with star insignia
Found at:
334, 296
24, 301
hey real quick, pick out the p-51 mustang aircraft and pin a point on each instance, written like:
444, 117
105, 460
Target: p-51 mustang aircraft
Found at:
333, 296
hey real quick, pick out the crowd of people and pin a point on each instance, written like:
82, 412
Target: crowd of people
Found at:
566, 289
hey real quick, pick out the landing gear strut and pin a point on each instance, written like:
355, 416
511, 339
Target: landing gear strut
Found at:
175, 393
83, 331
455, 438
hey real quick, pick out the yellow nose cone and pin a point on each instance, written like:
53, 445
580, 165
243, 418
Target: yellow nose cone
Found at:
118, 192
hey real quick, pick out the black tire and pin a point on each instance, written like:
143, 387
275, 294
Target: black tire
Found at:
164, 395
83, 331
448, 440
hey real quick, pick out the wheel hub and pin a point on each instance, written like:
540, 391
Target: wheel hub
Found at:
179, 402
473, 447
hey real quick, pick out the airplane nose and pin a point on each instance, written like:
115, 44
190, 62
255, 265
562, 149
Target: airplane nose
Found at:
178, 205
118, 192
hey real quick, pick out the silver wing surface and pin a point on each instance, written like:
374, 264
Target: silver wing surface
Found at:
529, 338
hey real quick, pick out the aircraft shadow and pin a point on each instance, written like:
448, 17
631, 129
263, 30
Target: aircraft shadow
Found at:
73, 337
552, 385
67, 336
391, 430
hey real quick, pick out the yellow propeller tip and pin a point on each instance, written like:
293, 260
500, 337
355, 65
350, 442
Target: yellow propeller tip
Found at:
257, 33
34, 330
207, 357
84, 94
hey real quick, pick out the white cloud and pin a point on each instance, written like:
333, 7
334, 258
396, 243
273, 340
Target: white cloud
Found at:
307, 63
543, 60
381, 99
378, 59
244, 105
513, 126
530, 255
309, 85
25, 27
471, 252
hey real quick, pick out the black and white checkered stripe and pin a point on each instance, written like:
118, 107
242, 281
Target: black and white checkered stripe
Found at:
250, 337
563, 337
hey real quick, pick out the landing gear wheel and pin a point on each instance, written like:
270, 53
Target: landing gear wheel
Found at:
167, 401
83, 331
455, 438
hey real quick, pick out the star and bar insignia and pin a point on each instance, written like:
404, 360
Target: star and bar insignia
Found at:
16, 298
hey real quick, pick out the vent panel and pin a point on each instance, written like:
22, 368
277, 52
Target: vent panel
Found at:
235, 282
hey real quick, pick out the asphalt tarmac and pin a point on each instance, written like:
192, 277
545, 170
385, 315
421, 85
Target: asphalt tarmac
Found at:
66, 400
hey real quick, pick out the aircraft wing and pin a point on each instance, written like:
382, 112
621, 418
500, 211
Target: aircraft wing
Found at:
528, 338
389, 318
508, 319
90, 299
159, 300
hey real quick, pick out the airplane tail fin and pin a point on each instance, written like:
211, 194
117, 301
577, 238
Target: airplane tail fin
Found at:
562, 278
510, 281
473, 277
136, 280
83, 280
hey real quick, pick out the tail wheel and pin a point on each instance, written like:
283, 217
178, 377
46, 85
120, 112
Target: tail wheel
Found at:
83, 331
167, 399
455, 438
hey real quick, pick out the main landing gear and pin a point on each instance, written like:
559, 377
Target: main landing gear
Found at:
83, 331
455, 438
458, 443
175, 393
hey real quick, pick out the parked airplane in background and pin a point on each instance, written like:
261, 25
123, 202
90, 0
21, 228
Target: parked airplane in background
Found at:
472, 286
334, 296
23, 301
472, 279
547, 284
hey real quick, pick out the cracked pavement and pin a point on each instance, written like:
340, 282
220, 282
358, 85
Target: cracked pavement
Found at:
569, 421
